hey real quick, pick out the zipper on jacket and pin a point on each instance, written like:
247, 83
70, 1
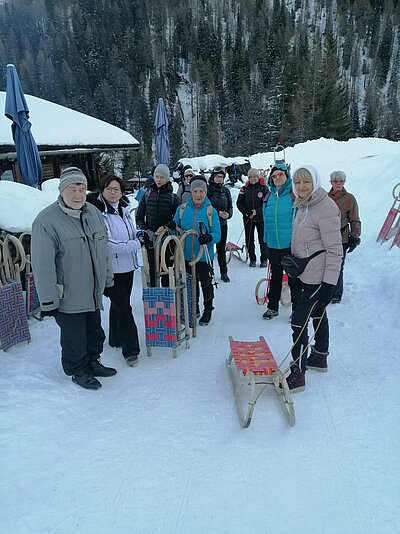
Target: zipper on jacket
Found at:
276, 220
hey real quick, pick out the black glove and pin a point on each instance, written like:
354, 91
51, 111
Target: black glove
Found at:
325, 293
49, 313
143, 237
353, 243
171, 225
107, 292
204, 239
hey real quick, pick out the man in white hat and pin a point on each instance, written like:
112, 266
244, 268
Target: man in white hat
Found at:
72, 267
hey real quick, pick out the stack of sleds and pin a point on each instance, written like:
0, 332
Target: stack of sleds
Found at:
18, 301
169, 312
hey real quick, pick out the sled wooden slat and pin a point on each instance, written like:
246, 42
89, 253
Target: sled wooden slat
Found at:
251, 365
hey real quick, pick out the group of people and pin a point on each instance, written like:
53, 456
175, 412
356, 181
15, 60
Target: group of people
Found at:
85, 246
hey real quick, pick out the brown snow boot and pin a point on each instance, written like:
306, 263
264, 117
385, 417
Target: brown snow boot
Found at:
296, 380
317, 361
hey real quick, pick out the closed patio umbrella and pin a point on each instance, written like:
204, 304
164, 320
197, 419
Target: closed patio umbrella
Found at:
16, 109
162, 142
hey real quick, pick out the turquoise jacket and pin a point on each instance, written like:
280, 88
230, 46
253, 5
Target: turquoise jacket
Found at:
278, 216
190, 221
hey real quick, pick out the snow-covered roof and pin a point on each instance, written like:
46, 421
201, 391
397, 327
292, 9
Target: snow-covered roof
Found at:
57, 126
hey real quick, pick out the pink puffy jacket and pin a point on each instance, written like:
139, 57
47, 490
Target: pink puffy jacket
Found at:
317, 227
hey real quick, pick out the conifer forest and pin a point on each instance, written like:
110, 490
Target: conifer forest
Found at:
236, 75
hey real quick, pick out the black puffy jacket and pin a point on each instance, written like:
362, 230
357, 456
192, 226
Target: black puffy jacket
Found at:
156, 207
221, 199
251, 197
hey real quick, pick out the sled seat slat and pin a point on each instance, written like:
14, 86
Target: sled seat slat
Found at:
253, 356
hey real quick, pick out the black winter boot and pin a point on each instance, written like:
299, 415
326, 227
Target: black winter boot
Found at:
296, 380
86, 381
206, 317
318, 361
96, 368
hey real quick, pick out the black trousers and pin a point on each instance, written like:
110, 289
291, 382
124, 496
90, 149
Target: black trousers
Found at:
249, 229
221, 252
152, 265
300, 318
338, 289
123, 331
275, 256
81, 338
204, 279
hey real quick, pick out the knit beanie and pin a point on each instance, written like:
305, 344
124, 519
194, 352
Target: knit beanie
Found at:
161, 170
198, 183
338, 175
71, 175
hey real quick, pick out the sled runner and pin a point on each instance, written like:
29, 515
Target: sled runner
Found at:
252, 367
162, 305
392, 222
396, 240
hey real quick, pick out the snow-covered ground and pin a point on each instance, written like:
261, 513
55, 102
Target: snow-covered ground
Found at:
159, 448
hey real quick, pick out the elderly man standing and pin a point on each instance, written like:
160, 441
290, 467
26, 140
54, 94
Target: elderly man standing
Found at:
72, 267
350, 225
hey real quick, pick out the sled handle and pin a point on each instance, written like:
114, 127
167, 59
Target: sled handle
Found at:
396, 196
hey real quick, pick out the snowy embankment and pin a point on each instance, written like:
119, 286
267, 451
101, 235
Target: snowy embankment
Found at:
159, 448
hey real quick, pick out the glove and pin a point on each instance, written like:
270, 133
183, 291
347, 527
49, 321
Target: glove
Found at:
171, 225
49, 313
107, 292
143, 237
325, 293
204, 239
353, 243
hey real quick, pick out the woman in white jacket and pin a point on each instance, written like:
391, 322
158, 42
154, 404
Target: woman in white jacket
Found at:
124, 247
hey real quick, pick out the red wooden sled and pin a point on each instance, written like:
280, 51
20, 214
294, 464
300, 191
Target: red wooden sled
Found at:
392, 222
252, 367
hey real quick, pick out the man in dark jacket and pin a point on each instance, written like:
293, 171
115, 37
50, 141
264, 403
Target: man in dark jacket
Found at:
250, 204
221, 200
350, 225
155, 212
72, 266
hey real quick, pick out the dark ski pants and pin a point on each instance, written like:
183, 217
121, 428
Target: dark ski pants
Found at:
123, 331
300, 318
204, 278
81, 338
152, 266
221, 252
275, 256
338, 289
249, 229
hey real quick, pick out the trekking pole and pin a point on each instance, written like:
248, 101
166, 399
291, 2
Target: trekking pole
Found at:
203, 231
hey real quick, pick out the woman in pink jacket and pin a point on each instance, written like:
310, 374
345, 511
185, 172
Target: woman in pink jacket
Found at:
316, 227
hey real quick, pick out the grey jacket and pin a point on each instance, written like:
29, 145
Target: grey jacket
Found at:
317, 227
70, 258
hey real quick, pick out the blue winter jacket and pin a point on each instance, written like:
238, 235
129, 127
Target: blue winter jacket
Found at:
190, 221
278, 216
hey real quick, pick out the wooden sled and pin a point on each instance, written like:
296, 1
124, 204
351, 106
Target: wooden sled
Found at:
233, 249
392, 221
163, 306
251, 365
285, 298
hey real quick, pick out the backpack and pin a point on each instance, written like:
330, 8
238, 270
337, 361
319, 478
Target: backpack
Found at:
209, 212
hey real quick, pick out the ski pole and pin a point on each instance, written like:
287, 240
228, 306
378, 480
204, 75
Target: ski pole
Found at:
203, 231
